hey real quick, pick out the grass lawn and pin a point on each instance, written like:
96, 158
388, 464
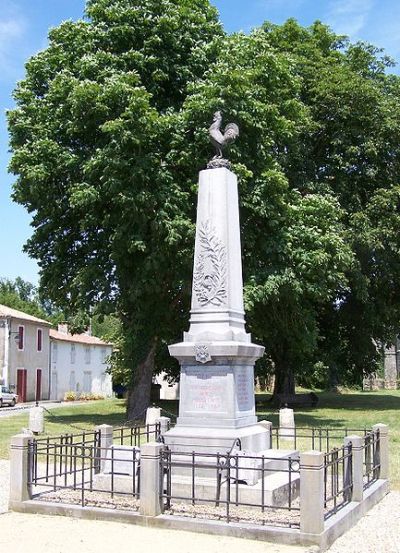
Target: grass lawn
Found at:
351, 409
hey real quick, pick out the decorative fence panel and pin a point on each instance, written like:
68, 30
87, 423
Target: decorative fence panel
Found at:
338, 479
79, 469
231, 487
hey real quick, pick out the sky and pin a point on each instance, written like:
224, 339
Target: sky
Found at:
24, 26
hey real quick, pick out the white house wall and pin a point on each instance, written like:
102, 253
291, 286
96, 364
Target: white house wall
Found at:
29, 358
68, 376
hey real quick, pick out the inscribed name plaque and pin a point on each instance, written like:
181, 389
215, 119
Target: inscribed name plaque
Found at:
205, 389
244, 388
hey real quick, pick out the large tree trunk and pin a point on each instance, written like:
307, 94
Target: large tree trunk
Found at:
284, 380
139, 395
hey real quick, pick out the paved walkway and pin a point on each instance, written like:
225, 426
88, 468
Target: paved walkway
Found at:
21, 407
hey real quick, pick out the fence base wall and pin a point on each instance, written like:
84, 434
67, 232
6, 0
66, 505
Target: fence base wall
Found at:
337, 525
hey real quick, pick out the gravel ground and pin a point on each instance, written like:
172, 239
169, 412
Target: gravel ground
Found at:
4, 485
377, 532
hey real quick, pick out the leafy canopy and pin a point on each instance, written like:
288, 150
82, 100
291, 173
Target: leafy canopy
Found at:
110, 130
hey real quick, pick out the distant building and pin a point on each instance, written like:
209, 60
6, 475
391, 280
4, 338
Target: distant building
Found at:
78, 363
24, 354
168, 390
389, 377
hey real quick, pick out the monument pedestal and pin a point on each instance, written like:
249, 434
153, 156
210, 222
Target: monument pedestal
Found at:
217, 357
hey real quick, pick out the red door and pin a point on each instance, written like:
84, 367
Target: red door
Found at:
21, 385
38, 384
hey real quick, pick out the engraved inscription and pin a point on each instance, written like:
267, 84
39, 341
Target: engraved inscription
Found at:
206, 393
209, 279
244, 390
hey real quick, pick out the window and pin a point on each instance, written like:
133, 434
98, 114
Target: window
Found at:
87, 381
21, 330
72, 381
73, 353
39, 339
87, 354
103, 355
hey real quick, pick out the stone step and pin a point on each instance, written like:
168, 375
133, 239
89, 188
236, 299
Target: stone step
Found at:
249, 469
274, 491
278, 459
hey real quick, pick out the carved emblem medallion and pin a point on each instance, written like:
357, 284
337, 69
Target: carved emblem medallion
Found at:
202, 354
209, 279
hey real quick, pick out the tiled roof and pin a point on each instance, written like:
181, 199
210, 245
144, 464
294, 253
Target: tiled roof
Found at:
9, 312
78, 338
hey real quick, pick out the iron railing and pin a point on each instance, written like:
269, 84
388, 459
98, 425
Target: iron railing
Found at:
193, 482
311, 438
136, 435
372, 463
338, 479
78, 469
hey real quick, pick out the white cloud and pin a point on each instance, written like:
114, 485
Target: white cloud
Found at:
349, 17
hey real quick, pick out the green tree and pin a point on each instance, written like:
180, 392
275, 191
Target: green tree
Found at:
91, 136
353, 154
110, 129
21, 295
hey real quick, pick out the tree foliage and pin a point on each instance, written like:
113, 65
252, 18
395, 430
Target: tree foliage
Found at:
110, 130
22, 296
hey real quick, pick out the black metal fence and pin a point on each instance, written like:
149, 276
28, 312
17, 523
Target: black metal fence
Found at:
136, 435
231, 487
311, 438
372, 464
338, 479
79, 469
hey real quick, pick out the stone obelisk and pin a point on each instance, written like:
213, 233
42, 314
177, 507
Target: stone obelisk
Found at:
216, 356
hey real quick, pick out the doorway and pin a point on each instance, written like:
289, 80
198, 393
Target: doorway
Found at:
21, 385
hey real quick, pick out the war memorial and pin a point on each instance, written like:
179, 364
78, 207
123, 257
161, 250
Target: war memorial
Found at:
218, 469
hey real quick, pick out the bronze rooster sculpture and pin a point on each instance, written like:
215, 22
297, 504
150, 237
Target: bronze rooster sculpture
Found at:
221, 140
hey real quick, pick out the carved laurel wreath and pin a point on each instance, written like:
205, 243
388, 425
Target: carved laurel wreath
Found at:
209, 279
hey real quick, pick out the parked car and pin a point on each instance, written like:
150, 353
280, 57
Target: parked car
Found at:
7, 397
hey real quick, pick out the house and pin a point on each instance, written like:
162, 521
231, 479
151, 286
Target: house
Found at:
78, 363
24, 354
168, 390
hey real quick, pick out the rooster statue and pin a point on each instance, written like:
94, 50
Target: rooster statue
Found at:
221, 139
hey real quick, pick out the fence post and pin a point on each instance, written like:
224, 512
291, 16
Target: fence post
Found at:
312, 492
383, 449
357, 466
150, 479
268, 427
20, 487
106, 441
164, 423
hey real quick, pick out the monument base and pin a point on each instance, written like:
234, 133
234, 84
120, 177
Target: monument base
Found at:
254, 438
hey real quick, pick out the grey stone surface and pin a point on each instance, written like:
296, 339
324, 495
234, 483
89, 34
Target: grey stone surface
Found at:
216, 356
312, 492
286, 424
357, 443
19, 490
202, 439
150, 500
122, 460
4, 485
383, 448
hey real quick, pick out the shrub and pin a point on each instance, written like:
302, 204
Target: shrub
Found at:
70, 396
